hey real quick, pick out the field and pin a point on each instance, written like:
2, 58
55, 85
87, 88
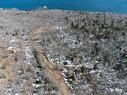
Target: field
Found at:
55, 52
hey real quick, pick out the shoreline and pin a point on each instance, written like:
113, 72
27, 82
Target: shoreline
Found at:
66, 10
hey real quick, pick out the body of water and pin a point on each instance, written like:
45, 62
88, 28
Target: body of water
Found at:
115, 6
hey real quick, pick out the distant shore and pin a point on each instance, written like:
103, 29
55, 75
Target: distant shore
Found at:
45, 8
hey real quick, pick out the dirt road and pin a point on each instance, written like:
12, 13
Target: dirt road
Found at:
50, 70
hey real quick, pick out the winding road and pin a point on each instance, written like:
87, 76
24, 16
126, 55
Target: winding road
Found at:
50, 70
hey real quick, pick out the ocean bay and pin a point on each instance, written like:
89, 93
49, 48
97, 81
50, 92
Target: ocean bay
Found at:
115, 6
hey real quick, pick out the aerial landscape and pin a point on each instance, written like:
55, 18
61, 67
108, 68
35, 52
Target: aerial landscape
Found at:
74, 47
